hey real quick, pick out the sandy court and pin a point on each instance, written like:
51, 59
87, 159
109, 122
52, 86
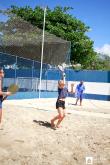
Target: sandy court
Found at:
27, 139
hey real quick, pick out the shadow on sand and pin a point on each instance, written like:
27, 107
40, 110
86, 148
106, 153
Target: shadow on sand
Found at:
43, 123
71, 104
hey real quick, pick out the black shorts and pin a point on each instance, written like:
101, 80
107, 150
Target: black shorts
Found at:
60, 103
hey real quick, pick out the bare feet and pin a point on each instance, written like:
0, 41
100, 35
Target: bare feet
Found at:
58, 126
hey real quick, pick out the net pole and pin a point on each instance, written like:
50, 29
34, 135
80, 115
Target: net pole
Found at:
32, 74
16, 70
42, 54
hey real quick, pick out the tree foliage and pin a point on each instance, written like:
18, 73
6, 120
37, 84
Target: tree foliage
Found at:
63, 25
101, 63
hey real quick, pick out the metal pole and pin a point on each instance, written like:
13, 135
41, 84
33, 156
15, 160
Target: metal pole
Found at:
16, 71
42, 53
32, 75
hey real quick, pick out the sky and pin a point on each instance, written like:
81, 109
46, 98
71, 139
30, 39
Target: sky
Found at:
94, 13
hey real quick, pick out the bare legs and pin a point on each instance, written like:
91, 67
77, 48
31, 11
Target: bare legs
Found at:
0, 115
78, 100
59, 117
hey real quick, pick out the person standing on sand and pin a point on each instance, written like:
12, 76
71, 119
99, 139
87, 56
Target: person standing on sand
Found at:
1, 92
60, 104
79, 92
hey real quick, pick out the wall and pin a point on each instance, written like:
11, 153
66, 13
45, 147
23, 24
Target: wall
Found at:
97, 83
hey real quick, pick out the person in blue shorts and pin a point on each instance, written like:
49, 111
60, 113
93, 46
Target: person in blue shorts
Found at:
1, 92
80, 92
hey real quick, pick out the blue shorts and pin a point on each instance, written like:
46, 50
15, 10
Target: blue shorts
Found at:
0, 104
79, 95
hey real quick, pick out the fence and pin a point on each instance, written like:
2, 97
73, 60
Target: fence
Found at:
97, 83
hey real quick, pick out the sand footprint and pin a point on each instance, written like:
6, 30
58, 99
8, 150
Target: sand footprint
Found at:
20, 141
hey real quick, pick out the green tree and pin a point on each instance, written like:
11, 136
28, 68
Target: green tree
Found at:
63, 25
101, 63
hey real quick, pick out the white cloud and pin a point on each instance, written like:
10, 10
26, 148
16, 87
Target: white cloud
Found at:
105, 49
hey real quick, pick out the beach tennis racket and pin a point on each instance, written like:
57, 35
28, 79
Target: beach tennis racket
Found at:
13, 88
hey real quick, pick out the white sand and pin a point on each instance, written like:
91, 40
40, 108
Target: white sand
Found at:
85, 132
